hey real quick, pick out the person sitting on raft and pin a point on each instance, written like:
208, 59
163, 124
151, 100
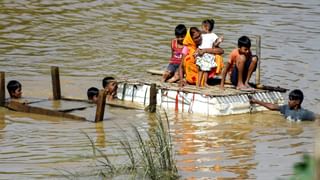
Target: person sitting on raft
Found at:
172, 73
207, 61
188, 67
241, 65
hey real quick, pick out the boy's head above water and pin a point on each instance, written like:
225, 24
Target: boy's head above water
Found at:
109, 84
14, 89
295, 99
92, 94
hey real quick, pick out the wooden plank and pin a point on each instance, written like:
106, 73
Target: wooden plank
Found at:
61, 105
101, 105
17, 106
2, 89
114, 103
56, 91
30, 100
270, 88
124, 104
153, 98
88, 113
155, 71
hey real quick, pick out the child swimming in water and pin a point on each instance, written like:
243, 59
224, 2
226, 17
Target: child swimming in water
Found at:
92, 94
292, 110
111, 86
14, 88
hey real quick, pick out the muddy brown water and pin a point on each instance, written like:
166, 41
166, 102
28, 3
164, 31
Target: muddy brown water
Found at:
91, 39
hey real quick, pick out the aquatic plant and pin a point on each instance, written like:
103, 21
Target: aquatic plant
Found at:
149, 154
304, 169
157, 151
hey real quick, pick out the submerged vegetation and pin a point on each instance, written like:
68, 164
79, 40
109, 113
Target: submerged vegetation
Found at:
148, 155
305, 169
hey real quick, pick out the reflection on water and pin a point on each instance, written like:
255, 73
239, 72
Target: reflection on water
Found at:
243, 146
101, 136
90, 39
249, 148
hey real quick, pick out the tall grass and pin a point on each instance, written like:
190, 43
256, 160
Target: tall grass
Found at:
149, 155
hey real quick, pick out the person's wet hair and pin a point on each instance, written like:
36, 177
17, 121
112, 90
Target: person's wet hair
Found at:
12, 86
244, 41
107, 80
296, 95
93, 91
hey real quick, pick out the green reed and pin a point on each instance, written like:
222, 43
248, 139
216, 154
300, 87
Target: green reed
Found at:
150, 154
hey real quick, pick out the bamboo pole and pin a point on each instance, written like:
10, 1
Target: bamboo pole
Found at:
56, 91
2, 89
100, 105
258, 53
153, 98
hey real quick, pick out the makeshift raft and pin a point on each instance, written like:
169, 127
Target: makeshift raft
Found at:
147, 94
210, 101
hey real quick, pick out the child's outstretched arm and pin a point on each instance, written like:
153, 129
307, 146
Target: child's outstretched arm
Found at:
218, 42
270, 106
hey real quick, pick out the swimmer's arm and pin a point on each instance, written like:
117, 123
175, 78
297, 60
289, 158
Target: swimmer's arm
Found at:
270, 106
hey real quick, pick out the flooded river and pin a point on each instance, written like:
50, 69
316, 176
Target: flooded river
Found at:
91, 39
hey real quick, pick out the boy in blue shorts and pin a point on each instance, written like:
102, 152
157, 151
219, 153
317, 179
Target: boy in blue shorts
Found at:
171, 74
241, 65
292, 110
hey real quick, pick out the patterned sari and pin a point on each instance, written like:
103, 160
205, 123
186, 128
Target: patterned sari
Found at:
190, 67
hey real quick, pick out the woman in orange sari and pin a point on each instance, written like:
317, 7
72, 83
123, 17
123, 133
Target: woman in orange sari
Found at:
188, 65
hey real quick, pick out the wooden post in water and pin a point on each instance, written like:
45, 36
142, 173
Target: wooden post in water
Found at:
101, 104
153, 98
2, 89
56, 91
258, 53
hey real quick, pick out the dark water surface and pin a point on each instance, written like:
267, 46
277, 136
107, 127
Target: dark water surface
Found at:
91, 39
